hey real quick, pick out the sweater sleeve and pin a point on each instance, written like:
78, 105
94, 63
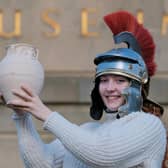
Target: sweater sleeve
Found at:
34, 152
124, 142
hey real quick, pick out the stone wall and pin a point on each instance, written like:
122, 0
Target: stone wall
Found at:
67, 53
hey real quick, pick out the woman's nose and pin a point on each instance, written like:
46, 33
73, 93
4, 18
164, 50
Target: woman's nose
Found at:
111, 85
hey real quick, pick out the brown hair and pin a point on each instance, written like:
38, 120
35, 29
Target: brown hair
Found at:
97, 105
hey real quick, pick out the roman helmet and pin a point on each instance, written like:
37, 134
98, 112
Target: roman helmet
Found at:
136, 62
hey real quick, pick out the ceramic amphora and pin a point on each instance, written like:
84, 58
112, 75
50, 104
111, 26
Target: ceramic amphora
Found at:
20, 66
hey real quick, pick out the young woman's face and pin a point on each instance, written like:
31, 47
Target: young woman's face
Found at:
110, 89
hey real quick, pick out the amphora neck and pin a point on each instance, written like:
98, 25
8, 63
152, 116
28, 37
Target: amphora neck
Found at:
22, 50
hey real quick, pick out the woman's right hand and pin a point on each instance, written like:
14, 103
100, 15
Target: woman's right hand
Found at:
29, 102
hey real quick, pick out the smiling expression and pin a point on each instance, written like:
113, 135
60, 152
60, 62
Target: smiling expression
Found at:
110, 89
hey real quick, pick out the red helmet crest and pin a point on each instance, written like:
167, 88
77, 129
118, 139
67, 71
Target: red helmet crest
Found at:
122, 21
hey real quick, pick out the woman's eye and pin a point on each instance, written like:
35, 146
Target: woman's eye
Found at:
103, 80
121, 80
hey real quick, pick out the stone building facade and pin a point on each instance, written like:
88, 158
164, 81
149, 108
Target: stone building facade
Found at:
68, 35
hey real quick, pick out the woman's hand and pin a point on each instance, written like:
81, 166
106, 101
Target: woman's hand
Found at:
29, 102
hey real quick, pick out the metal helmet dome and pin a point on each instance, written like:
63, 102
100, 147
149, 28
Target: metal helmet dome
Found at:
122, 61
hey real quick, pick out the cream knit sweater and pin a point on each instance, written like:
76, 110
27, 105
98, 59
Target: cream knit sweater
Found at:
135, 140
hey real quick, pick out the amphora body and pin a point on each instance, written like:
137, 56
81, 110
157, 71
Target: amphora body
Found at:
20, 66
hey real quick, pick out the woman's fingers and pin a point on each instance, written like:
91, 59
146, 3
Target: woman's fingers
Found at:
28, 90
25, 99
25, 93
22, 95
20, 109
17, 103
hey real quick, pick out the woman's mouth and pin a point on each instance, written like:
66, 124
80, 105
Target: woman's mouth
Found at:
112, 97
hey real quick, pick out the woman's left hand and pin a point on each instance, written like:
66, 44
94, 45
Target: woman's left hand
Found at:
29, 102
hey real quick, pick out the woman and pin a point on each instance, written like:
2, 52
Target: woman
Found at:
127, 138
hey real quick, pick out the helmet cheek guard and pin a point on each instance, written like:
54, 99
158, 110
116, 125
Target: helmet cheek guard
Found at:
133, 99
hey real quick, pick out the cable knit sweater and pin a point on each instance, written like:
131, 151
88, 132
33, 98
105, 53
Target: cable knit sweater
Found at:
135, 140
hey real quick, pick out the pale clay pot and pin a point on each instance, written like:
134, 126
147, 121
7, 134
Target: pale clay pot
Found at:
20, 66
